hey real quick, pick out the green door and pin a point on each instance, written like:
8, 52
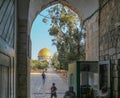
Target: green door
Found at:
87, 68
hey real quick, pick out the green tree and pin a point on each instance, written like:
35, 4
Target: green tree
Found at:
35, 64
68, 36
55, 61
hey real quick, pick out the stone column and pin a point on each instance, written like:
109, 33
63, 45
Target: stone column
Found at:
119, 77
22, 70
115, 81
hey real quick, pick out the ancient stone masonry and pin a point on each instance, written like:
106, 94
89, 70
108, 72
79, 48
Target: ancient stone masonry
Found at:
92, 38
110, 40
22, 61
109, 34
102, 22
103, 40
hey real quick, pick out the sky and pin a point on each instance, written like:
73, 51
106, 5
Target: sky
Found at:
40, 36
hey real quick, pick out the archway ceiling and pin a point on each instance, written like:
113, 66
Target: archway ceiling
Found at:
84, 8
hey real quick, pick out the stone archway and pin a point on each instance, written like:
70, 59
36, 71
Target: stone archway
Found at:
27, 12
89, 13
102, 20
93, 12
82, 8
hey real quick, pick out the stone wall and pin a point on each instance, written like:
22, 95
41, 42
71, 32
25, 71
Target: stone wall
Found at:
109, 40
92, 37
23, 85
103, 40
23, 51
109, 33
103, 37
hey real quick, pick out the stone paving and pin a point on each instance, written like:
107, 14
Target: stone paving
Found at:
43, 91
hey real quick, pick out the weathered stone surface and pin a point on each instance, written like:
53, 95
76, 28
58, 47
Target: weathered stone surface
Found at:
109, 34
103, 35
92, 39
109, 37
108, 47
23, 78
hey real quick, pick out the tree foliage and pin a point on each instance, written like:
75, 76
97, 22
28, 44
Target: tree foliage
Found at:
68, 36
35, 64
55, 61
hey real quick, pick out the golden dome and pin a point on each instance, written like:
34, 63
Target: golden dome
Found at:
44, 52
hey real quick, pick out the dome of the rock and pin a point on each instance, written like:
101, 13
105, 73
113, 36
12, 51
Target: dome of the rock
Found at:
44, 54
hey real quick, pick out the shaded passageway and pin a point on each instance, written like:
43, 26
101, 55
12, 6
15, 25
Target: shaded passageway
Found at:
102, 21
43, 91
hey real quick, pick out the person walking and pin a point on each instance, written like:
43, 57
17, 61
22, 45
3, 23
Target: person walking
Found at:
70, 93
53, 91
43, 77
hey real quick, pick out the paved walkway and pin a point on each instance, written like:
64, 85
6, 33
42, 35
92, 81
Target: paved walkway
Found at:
43, 91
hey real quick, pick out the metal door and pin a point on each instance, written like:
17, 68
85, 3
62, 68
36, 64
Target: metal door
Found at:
104, 78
